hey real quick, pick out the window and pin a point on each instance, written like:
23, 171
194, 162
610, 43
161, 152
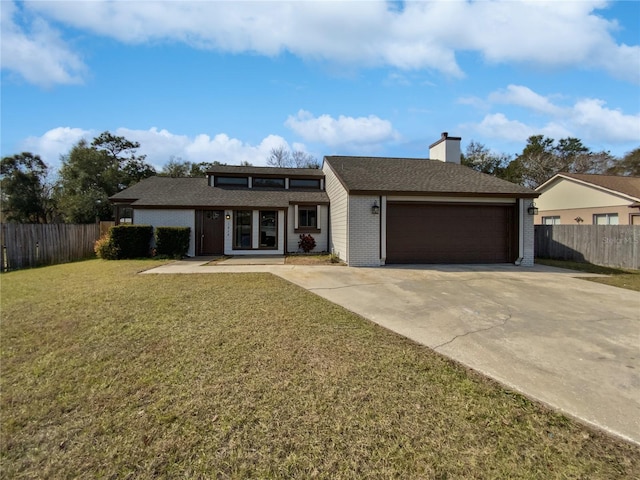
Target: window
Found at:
551, 220
125, 214
232, 181
307, 216
242, 228
268, 182
304, 183
605, 219
269, 229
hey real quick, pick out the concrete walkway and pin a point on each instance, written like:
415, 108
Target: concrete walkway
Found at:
569, 343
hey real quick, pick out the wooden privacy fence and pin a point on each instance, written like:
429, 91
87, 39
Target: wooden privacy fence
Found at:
31, 245
608, 245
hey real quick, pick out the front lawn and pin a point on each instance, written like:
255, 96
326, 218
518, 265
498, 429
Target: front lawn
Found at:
617, 277
110, 374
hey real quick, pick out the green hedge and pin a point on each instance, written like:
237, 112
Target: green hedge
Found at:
132, 241
172, 241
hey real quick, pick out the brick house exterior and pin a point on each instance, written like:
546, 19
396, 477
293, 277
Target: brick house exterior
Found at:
369, 211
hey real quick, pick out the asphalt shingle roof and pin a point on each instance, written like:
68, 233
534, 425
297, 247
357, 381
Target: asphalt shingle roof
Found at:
414, 176
627, 185
195, 192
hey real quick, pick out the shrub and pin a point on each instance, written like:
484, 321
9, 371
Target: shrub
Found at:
132, 241
172, 241
306, 243
105, 248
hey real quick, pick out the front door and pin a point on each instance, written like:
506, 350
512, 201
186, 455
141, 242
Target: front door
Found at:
210, 232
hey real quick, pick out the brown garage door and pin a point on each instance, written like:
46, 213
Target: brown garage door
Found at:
451, 233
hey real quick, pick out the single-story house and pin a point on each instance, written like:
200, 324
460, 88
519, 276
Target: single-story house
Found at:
369, 211
588, 199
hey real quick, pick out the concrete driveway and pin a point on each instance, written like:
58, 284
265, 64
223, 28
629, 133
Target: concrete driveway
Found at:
570, 343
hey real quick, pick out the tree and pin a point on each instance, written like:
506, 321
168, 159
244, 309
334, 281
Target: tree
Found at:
176, 167
537, 162
90, 174
279, 157
26, 196
480, 158
282, 157
628, 166
88, 177
304, 160
541, 159
123, 153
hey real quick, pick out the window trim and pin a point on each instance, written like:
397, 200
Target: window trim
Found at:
217, 182
294, 179
272, 179
553, 218
235, 246
298, 228
607, 216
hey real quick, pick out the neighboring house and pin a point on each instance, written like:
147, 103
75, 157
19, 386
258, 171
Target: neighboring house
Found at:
572, 198
369, 211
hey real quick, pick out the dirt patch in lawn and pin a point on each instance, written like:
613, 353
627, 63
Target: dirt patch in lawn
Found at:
325, 259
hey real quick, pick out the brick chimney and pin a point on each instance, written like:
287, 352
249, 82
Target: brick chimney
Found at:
446, 149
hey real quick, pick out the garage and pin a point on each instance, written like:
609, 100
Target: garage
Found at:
451, 233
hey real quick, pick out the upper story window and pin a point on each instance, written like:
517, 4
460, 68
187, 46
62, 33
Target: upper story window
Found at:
268, 182
232, 181
311, 183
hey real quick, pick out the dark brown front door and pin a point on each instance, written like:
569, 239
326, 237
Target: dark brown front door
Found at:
210, 232
451, 233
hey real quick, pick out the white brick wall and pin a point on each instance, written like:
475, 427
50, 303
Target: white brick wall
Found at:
338, 214
169, 218
527, 235
364, 231
322, 238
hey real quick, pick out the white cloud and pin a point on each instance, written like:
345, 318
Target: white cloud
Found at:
587, 119
342, 132
524, 97
160, 146
38, 55
54, 143
422, 35
497, 125
591, 116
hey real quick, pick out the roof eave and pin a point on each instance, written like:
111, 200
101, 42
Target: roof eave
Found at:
446, 194
559, 176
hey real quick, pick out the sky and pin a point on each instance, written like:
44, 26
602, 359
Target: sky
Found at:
228, 81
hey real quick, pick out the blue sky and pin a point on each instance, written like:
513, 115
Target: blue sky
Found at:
229, 81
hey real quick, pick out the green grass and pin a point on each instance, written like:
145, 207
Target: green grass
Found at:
617, 277
109, 374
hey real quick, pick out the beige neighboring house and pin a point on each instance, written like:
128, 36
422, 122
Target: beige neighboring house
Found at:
575, 198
